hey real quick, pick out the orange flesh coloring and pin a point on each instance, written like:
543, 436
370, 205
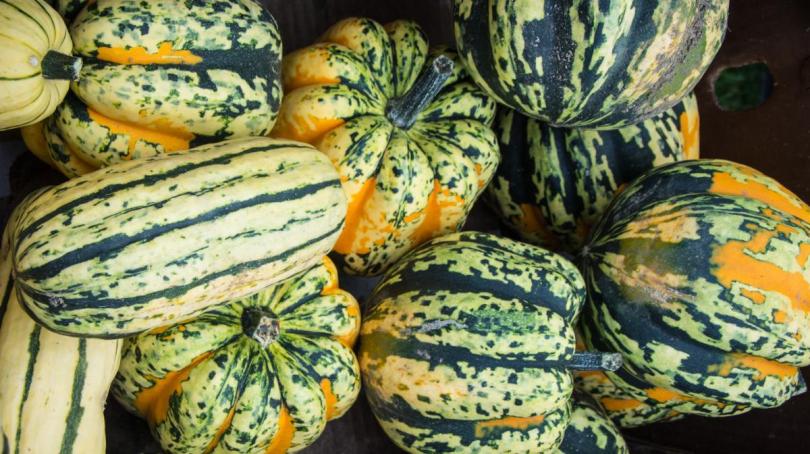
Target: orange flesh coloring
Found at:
170, 138
510, 422
764, 367
353, 215
612, 404
723, 183
304, 128
165, 55
311, 68
153, 403
691, 137
283, 438
221, 431
329, 398
352, 307
432, 217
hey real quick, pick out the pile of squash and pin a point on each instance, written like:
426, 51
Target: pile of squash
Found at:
215, 191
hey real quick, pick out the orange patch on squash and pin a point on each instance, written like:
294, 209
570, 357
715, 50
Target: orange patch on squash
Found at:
169, 137
153, 403
780, 317
221, 431
305, 128
283, 439
612, 404
724, 183
753, 295
483, 428
803, 255
165, 55
354, 213
691, 137
533, 221
764, 367
309, 67
329, 398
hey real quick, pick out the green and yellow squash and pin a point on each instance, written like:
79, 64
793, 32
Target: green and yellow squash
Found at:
699, 275
554, 183
467, 345
138, 244
68, 8
406, 128
589, 64
590, 431
37, 65
262, 373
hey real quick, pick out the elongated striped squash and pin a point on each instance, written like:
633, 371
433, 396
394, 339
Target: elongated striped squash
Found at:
140, 243
258, 374
589, 64
554, 183
406, 128
699, 274
37, 65
590, 431
467, 343
52, 387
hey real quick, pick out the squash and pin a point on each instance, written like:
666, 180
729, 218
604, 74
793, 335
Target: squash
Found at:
698, 274
258, 374
40, 413
589, 64
590, 431
409, 134
68, 8
140, 243
554, 183
467, 343
37, 68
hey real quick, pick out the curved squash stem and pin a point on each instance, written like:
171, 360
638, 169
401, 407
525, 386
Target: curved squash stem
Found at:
595, 361
261, 326
402, 111
58, 66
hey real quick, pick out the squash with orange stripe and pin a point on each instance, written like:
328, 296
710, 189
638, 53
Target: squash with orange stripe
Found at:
699, 274
259, 374
406, 128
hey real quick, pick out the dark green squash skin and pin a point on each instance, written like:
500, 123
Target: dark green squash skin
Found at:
590, 430
589, 64
68, 8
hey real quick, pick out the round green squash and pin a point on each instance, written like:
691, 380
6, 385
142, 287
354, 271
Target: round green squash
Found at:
698, 274
467, 343
589, 64
259, 374
554, 183
590, 431
407, 130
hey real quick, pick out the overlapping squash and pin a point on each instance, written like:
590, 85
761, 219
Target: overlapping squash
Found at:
699, 274
589, 64
412, 165
467, 343
258, 374
140, 243
554, 183
590, 431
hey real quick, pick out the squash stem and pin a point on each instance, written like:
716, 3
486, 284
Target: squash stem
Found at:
595, 361
402, 111
261, 326
58, 66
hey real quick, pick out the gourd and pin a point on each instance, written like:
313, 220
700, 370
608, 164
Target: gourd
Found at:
407, 130
554, 183
698, 275
467, 343
262, 373
37, 68
140, 243
589, 64
590, 431
68, 8
40, 412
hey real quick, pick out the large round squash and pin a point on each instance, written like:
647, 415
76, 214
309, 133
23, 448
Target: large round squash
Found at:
259, 374
554, 183
590, 431
589, 64
467, 343
699, 274
409, 134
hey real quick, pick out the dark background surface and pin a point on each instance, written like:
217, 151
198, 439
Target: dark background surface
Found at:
774, 137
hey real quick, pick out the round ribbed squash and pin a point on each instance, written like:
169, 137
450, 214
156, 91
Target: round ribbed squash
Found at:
590, 431
589, 64
37, 67
259, 374
467, 343
698, 274
409, 134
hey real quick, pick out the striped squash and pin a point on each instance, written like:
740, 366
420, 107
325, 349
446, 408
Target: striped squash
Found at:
406, 128
590, 431
589, 64
52, 387
699, 274
37, 65
137, 244
258, 374
467, 343
554, 183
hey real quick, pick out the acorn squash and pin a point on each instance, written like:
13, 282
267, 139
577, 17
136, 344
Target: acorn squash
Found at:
590, 431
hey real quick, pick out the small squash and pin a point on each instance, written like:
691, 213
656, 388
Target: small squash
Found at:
407, 130
589, 64
258, 374
467, 343
699, 274
590, 431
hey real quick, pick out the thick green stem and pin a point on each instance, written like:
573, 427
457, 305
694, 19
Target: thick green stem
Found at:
595, 361
261, 326
402, 111
58, 66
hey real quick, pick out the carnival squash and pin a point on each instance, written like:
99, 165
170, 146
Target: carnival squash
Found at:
409, 134
589, 64
590, 431
68, 8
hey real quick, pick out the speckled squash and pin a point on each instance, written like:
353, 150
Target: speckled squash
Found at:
68, 8
590, 431
467, 343
258, 374
408, 131
589, 64
698, 275
554, 183
37, 66
140, 243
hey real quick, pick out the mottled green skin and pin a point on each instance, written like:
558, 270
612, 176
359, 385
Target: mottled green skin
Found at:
239, 376
698, 275
554, 183
68, 8
590, 431
589, 64
467, 330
